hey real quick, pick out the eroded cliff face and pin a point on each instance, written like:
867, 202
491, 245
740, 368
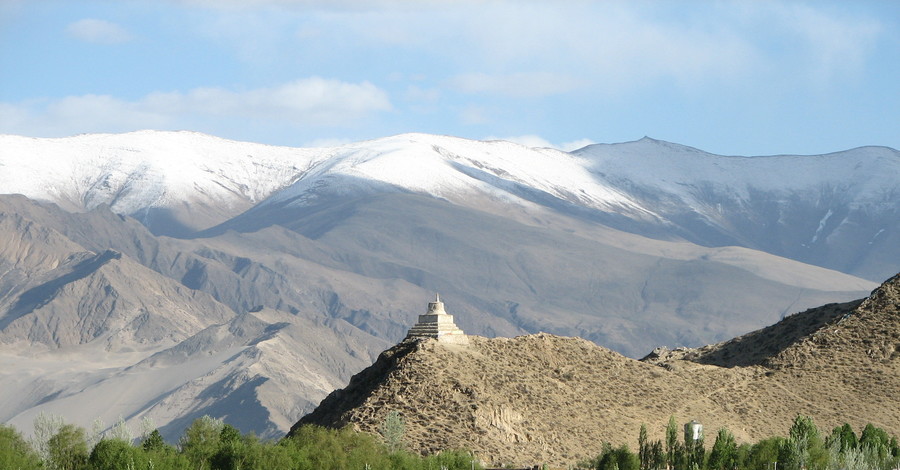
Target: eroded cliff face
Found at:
549, 399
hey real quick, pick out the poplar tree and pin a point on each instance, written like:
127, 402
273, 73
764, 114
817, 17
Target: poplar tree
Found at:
671, 442
643, 448
723, 455
392, 431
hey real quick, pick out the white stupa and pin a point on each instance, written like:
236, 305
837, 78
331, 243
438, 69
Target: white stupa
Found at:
437, 323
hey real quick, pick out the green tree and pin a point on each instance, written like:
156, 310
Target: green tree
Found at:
200, 441
643, 448
844, 437
764, 454
452, 460
235, 452
620, 458
15, 452
723, 455
276, 456
67, 449
626, 459
671, 442
657, 456
743, 455
45, 427
116, 454
314, 447
392, 431
874, 436
804, 448
154, 442
876, 439
696, 453
121, 431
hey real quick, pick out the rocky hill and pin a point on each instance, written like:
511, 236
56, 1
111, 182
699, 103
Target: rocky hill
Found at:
544, 398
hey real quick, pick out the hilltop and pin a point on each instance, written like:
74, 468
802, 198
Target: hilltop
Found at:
544, 398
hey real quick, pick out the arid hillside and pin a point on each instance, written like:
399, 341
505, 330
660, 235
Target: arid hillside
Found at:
549, 399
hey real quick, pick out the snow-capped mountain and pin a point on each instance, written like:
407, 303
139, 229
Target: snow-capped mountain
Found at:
457, 170
290, 268
174, 182
840, 210
831, 210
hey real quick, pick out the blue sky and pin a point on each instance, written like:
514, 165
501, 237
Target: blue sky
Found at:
730, 77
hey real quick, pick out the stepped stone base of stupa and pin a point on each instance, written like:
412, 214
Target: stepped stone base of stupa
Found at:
437, 324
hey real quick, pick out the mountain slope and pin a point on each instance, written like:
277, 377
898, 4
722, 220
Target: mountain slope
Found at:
94, 334
547, 399
630, 297
838, 210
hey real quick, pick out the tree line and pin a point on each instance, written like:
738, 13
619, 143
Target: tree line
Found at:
804, 448
210, 444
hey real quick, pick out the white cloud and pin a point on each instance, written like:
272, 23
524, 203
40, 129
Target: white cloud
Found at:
315, 101
98, 31
311, 102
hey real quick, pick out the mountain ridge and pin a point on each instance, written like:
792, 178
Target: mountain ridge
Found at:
179, 183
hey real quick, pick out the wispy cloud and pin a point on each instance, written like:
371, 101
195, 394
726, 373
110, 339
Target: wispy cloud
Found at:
98, 31
473, 114
311, 102
541, 48
834, 46
531, 84
611, 69
326, 4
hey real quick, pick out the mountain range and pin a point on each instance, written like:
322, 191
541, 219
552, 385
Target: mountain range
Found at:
183, 274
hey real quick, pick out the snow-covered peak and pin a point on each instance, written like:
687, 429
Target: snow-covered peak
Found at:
146, 169
205, 180
679, 169
453, 168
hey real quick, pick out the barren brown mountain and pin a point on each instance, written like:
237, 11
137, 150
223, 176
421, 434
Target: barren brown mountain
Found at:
549, 399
